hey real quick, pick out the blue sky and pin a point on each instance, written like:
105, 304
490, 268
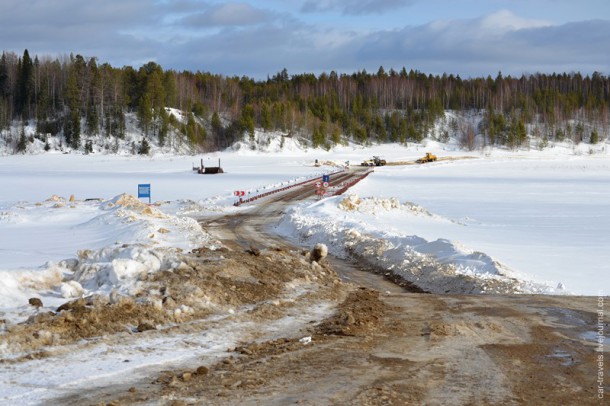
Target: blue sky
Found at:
259, 38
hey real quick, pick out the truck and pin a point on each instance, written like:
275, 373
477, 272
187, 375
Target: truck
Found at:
378, 161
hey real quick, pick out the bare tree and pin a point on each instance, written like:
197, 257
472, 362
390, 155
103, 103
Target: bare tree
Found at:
468, 136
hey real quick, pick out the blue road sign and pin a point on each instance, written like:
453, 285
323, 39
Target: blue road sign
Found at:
325, 178
144, 191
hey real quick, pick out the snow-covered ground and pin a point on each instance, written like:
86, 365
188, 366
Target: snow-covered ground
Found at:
538, 216
543, 220
42, 230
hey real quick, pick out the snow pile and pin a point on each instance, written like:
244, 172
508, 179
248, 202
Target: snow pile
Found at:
438, 266
116, 242
149, 225
112, 267
374, 205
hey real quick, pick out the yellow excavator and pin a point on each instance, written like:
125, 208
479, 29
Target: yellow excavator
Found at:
428, 158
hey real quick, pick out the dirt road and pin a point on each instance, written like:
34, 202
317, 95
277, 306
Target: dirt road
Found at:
439, 159
387, 345
417, 349
257, 323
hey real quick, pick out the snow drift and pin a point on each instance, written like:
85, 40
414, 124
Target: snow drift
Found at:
439, 266
119, 241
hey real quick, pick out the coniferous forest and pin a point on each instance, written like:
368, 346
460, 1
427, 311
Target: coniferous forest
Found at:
77, 98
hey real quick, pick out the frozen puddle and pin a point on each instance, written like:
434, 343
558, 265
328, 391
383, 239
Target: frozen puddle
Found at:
565, 357
591, 336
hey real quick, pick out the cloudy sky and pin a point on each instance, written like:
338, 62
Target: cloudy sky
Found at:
261, 37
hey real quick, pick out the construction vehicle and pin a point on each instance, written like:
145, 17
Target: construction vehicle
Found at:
428, 158
378, 161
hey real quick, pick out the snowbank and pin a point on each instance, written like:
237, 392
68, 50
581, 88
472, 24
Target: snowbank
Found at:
438, 266
93, 247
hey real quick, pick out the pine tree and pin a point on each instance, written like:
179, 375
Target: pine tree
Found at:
164, 128
72, 119
521, 133
22, 144
94, 103
336, 136
247, 121
318, 139
380, 129
144, 147
594, 137
92, 120
194, 131
216, 124
145, 115
4, 82
72, 129
25, 84
266, 119
6, 105
119, 120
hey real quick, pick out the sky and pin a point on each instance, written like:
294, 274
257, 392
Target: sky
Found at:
472, 38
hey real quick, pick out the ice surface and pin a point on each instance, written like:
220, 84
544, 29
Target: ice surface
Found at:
534, 215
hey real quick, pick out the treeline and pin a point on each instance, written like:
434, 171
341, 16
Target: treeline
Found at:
79, 98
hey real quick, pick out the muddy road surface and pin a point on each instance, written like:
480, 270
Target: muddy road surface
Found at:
390, 344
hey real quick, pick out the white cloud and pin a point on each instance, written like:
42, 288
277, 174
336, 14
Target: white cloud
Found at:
72, 26
354, 7
500, 41
469, 47
254, 41
75, 12
506, 20
229, 14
